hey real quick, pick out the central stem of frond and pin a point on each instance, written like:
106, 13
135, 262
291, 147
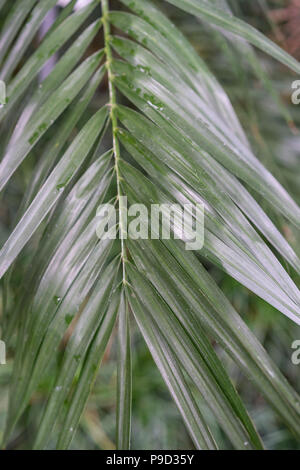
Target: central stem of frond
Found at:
114, 121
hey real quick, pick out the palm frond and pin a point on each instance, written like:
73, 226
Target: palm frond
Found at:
175, 138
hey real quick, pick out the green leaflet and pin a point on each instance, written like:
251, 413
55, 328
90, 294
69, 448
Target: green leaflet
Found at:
88, 373
170, 370
24, 39
74, 247
219, 17
158, 103
49, 46
124, 377
59, 73
52, 189
89, 321
13, 22
196, 365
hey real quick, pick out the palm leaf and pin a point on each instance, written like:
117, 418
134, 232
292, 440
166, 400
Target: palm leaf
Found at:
183, 143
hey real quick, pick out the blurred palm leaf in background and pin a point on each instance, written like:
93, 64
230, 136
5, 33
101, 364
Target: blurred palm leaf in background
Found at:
113, 100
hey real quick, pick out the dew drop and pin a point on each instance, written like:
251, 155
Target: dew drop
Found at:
56, 299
